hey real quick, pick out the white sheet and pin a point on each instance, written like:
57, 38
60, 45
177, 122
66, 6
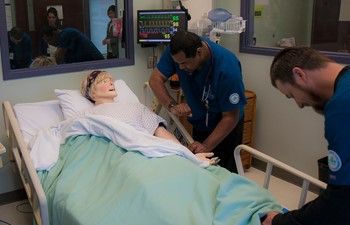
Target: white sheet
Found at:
37, 115
45, 146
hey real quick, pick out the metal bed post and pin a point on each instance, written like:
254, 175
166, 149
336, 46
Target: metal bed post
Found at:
268, 173
30, 179
307, 179
156, 107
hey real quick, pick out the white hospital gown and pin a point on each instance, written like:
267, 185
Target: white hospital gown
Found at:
134, 114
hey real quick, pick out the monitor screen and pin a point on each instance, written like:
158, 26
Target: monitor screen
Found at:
157, 26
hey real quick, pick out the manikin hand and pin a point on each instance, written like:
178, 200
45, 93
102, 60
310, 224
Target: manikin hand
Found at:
206, 157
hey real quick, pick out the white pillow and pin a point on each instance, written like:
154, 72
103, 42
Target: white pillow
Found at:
37, 115
73, 103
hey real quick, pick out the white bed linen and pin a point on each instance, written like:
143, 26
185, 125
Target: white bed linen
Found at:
74, 104
45, 145
37, 115
44, 114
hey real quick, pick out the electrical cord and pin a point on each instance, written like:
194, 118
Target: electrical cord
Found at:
4, 222
22, 211
19, 210
183, 8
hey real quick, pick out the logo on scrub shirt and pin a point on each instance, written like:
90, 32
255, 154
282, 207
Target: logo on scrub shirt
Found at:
234, 98
334, 161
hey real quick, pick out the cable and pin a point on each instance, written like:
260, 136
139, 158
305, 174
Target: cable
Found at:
22, 211
1, 221
183, 8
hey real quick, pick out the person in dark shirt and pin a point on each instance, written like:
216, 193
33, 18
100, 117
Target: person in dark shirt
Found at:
111, 41
211, 78
312, 79
72, 45
20, 48
52, 19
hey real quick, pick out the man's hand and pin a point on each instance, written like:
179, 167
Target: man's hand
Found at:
270, 216
197, 147
181, 109
106, 41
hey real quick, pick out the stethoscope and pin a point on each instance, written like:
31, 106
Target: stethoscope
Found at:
207, 86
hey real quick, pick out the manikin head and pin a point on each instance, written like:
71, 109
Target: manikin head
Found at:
98, 87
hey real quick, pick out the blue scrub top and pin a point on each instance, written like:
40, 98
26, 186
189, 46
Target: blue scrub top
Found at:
222, 74
337, 132
79, 47
20, 54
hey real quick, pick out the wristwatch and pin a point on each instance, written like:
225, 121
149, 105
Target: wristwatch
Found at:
172, 104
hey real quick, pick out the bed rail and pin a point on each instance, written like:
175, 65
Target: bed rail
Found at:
271, 162
18, 152
175, 126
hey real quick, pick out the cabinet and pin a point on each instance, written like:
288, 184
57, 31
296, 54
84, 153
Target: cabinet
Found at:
248, 129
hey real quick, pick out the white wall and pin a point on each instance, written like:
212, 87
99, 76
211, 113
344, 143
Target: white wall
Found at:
282, 130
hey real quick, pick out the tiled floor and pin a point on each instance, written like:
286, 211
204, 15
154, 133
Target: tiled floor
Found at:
18, 213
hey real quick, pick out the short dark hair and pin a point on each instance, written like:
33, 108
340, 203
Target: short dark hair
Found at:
17, 33
300, 56
111, 8
186, 42
53, 11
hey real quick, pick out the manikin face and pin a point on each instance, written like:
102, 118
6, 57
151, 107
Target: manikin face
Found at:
104, 91
301, 96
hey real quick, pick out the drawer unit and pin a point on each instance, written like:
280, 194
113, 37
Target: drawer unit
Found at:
248, 129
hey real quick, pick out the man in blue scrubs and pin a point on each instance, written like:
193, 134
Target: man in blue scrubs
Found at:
72, 45
20, 48
211, 79
312, 79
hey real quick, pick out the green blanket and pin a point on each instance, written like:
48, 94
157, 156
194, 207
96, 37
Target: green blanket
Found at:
96, 182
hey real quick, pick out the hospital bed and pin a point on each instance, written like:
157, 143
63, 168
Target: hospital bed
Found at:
92, 180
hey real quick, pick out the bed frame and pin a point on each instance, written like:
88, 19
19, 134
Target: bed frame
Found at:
18, 153
19, 156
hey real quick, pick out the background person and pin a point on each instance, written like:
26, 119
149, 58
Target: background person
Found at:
52, 19
314, 80
111, 41
20, 48
211, 79
72, 45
